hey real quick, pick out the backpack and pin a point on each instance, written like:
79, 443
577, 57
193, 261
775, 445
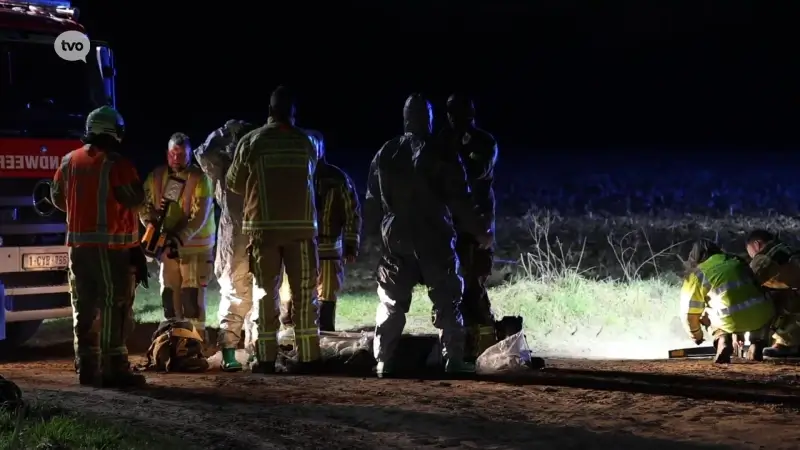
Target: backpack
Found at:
176, 347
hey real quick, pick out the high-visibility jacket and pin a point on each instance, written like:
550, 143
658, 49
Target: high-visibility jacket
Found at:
725, 286
274, 170
99, 192
338, 210
192, 217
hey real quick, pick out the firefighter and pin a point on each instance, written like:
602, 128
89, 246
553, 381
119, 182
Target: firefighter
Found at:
339, 216
232, 265
777, 267
478, 152
414, 189
273, 169
99, 190
191, 226
725, 285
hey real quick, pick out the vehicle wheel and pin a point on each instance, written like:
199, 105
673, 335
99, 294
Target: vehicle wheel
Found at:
18, 333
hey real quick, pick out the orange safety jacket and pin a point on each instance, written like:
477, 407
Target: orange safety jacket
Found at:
84, 187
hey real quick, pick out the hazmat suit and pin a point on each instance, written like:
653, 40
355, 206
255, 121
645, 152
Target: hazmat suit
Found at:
100, 190
725, 286
415, 189
478, 152
273, 169
339, 214
777, 267
191, 224
232, 263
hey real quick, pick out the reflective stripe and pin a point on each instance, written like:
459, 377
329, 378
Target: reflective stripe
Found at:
330, 246
719, 290
102, 196
158, 184
729, 311
306, 332
701, 277
697, 304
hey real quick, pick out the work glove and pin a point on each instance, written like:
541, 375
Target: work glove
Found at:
172, 246
350, 254
485, 240
697, 336
139, 263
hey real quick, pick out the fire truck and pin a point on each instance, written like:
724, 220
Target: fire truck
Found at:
44, 101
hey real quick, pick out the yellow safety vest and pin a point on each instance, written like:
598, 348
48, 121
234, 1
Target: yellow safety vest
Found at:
197, 186
724, 286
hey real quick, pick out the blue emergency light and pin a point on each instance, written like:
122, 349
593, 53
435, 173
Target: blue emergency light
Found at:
54, 7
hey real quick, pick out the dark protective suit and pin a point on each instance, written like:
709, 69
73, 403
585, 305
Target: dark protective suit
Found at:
413, 187
478, 152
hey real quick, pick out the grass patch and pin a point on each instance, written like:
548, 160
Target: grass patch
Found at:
40, 427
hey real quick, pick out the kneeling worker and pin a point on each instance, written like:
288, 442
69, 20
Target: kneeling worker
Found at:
777, 268
725, 285
191, 222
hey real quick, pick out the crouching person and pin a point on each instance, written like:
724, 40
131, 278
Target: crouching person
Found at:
777, 268
725, 285
192, 225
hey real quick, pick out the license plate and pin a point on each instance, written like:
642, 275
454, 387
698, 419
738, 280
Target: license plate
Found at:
43, 261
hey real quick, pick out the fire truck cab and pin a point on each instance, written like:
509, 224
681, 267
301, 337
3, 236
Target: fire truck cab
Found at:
44, 101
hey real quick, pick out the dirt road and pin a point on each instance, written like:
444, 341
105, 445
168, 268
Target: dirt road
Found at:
573, 404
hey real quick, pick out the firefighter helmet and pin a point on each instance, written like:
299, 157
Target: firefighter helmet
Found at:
106, 120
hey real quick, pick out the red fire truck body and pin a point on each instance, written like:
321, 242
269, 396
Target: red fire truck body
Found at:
44, 101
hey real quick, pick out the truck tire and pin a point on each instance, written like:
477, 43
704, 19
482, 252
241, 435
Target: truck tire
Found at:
18, 333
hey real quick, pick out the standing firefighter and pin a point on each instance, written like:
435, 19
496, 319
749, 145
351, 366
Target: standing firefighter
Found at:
274, 169
414, 189
339, 216
232, 264
777, 267
478, 151
724, 284
99, 190
190, 226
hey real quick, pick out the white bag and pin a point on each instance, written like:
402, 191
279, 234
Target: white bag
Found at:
510, 355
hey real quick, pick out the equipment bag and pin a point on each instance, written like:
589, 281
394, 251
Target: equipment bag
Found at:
176, 347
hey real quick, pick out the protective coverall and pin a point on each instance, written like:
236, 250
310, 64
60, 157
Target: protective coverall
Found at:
273, 169
99, 191
777, 268
725, 286
184, 279
232, 263
414, 189
339, 214
478, 151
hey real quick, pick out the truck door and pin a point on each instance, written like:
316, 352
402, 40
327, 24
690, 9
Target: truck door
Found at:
105, 63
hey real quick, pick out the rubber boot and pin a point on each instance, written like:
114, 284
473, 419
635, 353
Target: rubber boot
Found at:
119, 374
458, 366
755, 352
327, 316
781, 351
263, 367
229, 362
383, 369
724, 346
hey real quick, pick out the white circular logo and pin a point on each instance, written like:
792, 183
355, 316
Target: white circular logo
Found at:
72, 46
42, 203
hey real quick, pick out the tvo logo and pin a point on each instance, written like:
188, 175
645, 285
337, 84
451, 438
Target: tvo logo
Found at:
72, 46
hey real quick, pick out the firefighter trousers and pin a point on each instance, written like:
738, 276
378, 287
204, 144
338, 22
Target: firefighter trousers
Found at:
299, 258
102, 285
398, 274
476, 267
184, 282
329, 285
787, 321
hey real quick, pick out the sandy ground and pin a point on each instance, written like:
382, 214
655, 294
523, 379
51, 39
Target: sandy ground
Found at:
576, 404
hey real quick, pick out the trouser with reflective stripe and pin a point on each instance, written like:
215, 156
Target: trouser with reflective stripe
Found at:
476, 267
329, 284
787, 321
102, 286
300, 260
184, 282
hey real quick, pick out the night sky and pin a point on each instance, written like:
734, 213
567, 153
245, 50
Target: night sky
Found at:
632, 77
